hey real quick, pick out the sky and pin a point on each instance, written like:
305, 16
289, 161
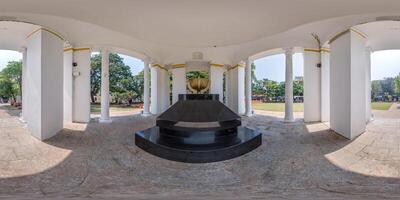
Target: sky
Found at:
383, 64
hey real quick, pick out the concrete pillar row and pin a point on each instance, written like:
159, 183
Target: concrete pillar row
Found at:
105, 88
23, 116
312, 86
289, 86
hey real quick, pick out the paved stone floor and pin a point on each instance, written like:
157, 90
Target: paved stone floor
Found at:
295, 161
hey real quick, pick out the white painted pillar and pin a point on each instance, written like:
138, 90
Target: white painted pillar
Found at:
216, 78
325, 86
236, 89
44, 81
347, 83
178, 83
81, 85
105, 88
312, 86
23, 117
154, 91
146, 89
164, 90
248, 86
368, 113
68, 85
289, 86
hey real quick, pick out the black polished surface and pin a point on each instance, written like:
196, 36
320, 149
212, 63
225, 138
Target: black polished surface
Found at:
246, 141
198, 128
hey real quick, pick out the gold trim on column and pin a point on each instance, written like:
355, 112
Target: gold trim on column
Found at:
312, 50
337, 36
175, 66
216, 65
235, 66
47, 30
159, 66
76, 49
317, 50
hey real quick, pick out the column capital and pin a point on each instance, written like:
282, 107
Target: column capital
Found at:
288, 50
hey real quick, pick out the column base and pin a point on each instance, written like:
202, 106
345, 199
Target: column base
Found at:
105, 120
146, 114
288, 120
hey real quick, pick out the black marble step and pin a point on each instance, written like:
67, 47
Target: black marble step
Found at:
243, 142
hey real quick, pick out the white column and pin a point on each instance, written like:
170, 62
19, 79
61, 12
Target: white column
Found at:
248, 108
368, 113
216, 78
312, 86
105, 89
154, 90
23, 117
347, 83
146, 89
325, 86
236, 89
178, 83
44, 83
81, 85
289, 86
68, 88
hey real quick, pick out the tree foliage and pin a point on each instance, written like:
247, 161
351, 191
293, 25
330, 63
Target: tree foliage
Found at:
11, 80
124, 87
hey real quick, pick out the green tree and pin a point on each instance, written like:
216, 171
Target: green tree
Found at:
122, 84
298, 88
397, 84
11, 80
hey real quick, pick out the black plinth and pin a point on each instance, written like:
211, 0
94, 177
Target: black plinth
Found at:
198, 129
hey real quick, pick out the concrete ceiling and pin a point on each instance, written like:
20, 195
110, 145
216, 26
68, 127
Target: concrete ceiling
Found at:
13, 35
169, 31
383, 35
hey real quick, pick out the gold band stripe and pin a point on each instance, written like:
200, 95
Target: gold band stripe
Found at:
235, 66
317, 50
216, 65
159, 66
363, 35
76, 49
47, 30
175, 66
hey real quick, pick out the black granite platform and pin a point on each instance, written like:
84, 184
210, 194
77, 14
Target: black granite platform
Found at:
198, 129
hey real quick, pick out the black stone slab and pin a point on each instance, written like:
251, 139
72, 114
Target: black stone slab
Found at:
198, 111
244, 141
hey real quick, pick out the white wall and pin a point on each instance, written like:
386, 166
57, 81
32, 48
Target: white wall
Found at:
81, 86
312, 87
44, 84
347, 85
325, 87
178, 83
216, 78
68, 59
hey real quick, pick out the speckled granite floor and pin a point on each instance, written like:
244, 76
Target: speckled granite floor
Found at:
295, 161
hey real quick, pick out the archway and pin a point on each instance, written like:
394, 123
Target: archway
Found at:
126, 84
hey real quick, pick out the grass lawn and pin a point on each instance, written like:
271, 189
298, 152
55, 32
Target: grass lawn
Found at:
381, 105
96, 108
277, 107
